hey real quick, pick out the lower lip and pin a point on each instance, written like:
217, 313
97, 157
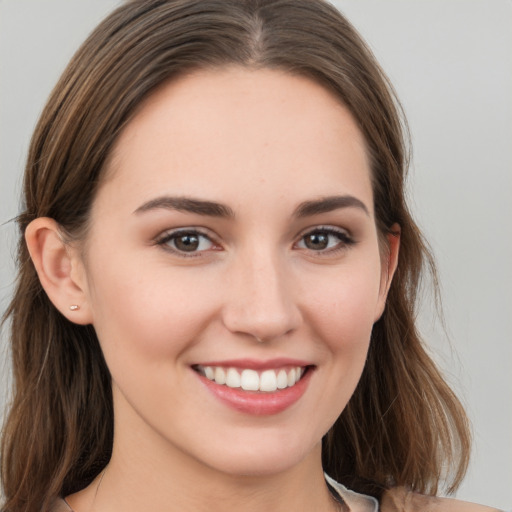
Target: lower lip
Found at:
258, 403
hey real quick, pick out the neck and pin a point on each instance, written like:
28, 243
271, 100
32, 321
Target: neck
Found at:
132, 482
180, 487
148, 472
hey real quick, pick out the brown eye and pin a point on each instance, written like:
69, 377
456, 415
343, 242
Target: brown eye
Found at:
186, 242
325, 240
316, 241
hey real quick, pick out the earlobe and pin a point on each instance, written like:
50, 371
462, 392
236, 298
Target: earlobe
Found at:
389, 265
59, 269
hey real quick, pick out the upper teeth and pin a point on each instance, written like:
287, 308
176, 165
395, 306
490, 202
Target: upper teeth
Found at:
251, 380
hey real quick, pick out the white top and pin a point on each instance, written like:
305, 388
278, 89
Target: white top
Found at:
356, 502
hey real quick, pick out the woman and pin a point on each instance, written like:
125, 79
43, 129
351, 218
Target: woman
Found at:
217, 254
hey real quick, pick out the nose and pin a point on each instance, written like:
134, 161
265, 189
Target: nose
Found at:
260, 300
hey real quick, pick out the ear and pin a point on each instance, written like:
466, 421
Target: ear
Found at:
60, 269
388, 266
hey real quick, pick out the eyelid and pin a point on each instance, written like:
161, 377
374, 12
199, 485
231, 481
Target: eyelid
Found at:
169, 234
346, 238
325, 227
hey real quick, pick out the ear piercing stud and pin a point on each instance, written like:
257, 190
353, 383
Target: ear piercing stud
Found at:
74, 307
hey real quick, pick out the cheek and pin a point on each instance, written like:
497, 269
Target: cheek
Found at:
343, 308
147, 314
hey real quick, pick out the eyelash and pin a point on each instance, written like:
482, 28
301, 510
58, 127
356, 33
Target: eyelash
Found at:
172, 236
344, 240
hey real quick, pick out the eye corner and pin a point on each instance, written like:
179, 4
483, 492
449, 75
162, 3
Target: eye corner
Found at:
325, 240
188, 242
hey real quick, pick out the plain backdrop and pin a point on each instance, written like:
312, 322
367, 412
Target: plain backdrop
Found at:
451, 64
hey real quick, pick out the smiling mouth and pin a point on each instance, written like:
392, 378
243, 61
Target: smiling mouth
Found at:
266, 381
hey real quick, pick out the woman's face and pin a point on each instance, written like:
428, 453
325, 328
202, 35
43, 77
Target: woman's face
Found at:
234, 238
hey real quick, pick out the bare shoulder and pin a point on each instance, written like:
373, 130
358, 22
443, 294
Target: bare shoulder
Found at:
399, 499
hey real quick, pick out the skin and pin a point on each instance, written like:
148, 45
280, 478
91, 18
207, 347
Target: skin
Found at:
261, 143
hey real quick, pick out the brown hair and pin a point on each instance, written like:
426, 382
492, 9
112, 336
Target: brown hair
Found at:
403, 424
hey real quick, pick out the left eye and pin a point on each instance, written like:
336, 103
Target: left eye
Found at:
187, 241
324, 239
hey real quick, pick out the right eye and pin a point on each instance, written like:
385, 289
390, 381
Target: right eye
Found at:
186, 242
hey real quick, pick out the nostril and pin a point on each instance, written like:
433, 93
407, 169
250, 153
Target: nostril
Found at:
260, 301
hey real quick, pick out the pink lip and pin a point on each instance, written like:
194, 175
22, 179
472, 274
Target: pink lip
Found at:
254, 364
255, 402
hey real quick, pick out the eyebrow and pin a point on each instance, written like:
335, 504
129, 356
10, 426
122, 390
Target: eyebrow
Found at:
213, 209
189, 205
329, 204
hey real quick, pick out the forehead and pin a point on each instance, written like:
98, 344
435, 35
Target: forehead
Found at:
216, 132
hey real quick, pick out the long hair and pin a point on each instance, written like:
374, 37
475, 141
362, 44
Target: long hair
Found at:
403, 425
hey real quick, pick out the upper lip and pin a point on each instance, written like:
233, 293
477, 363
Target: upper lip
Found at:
255, 364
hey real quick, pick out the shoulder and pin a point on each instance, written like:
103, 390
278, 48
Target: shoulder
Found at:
60, 505
354, 502
399, 499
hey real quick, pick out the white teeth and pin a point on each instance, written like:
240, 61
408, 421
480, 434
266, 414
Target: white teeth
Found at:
282, 379
232, 378
268, 381
220, 375
291, 377
251, 380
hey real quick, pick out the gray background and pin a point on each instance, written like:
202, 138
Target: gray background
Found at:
450, 61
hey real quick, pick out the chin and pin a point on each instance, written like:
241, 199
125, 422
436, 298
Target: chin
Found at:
255, 460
